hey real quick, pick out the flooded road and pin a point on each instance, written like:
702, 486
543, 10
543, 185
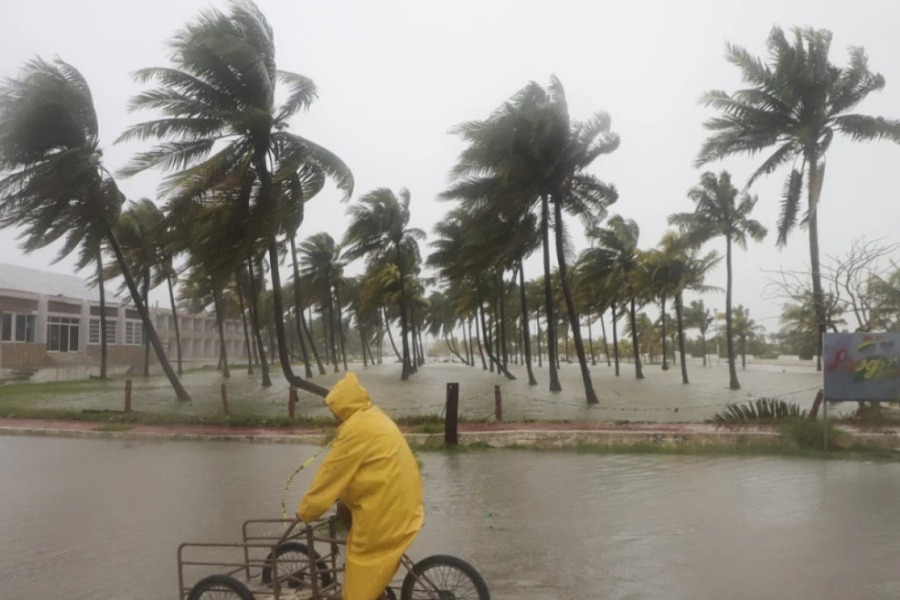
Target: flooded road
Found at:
102, 519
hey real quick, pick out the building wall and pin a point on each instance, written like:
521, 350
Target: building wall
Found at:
199, 335
24, 356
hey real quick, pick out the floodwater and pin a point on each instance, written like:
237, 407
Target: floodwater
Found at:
659, 397
102, 519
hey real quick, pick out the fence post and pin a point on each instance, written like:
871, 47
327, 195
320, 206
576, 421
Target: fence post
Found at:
127, 395
498, 404
450, 424
224, 399
292, 401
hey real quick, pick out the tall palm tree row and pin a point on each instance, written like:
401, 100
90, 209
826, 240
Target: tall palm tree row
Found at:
795, 104
528, 156
54, 185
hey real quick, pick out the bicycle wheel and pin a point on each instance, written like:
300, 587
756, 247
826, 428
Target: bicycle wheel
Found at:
442, 577
219, 587
293, 558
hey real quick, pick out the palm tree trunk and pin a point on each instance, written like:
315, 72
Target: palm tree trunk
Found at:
703, 344
665, 364
679, 321
470, 342
615, 338
552, 349
605, 343
501, 337
729, 343
638, 371
340, 325
329, 308
743, 352
142, 309
298, 310
816, 177
590, 325
526, 334
257, 326
240, 295
223, 353
413, 358
280, 332
489, 348
104, 350
484, 365
406, 370
574, 321
146, 293
175, 321
391, 336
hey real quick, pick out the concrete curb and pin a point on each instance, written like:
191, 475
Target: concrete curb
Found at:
529, 437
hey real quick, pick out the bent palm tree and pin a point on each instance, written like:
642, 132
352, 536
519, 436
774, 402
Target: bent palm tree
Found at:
54, 185
796, 104
227, 134
379, 231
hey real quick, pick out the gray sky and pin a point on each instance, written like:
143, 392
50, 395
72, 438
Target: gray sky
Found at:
394, 76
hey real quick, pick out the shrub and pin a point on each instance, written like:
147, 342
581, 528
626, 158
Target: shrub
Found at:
810, 434
761, 410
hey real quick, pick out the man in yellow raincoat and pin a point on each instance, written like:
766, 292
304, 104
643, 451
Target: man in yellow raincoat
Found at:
372, 471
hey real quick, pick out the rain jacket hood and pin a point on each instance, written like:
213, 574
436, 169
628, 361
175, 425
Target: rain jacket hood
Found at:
372, 470
347, 396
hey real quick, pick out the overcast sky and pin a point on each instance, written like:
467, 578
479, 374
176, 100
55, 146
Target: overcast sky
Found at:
395, 76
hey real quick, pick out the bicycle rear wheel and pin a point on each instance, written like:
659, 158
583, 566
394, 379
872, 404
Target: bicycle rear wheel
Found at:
442, 577
293, 560
219, 587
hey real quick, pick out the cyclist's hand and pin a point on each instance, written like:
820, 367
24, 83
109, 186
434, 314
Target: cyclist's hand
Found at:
344, 514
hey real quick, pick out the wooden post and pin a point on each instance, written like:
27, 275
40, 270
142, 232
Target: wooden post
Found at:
224, 399
292, 401
450, 424
127, 395
498, 404
814, 411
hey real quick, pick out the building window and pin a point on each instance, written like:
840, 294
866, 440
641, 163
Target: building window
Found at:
17, 328
134, 333
94, 331
62, 334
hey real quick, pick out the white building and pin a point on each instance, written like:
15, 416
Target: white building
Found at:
52, 321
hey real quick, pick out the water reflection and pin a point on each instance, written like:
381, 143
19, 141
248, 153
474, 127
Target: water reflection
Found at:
102, 519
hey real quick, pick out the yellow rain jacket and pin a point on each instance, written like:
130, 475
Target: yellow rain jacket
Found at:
371, 469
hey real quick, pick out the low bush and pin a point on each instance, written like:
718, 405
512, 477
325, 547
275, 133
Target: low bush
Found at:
762, 410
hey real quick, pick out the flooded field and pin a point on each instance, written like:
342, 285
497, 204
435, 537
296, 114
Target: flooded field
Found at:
102, 519
659, 397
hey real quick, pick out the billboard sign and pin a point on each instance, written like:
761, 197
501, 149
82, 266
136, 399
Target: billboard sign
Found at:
862, 366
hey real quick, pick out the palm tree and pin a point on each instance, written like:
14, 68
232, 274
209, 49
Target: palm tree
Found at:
379, 231
54, 186
676, 266
795, 104
744, 328
138, 230
717, 214
321, 266
225, 133
531, 151
697, 315
619, 240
